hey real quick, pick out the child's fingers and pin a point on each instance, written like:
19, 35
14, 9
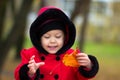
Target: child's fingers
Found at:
32, 60
81, 54
32, 57
82, 58
30, 65
40, 64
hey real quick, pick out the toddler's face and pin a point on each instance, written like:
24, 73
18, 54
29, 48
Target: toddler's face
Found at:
52, 41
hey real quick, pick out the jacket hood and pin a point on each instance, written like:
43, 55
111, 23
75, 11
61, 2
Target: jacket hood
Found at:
49, 14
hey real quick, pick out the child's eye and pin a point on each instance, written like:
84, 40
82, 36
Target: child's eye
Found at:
46, 37
58, 36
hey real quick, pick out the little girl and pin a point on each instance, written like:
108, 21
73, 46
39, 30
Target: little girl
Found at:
53, 34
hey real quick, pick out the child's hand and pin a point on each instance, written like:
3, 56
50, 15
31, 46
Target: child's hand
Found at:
84, 60
33, 66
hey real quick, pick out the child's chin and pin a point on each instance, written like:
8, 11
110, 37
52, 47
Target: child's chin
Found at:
52, 52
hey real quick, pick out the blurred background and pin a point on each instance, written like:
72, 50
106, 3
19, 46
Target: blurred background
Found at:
98, 32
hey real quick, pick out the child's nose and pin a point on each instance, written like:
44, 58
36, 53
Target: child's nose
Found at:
52, 40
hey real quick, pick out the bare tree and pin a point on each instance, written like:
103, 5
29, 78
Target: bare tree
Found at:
16, 31
81, 7
3, 5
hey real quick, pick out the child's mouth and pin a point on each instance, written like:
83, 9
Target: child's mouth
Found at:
52, 47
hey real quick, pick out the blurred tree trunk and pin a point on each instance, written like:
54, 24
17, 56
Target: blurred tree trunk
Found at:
81, 7
42, 3
12, 5
17, 29
3, 5
85, 7
19, 44
77, 9
20, 39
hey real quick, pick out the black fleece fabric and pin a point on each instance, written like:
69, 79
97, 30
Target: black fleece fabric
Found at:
93, 71
24, 73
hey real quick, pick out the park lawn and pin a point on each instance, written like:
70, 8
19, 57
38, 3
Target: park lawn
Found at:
108, 56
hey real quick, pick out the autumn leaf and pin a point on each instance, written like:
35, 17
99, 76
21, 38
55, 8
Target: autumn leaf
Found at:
70, 59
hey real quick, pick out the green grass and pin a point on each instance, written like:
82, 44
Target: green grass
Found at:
108, 56
101, 49
27, 43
